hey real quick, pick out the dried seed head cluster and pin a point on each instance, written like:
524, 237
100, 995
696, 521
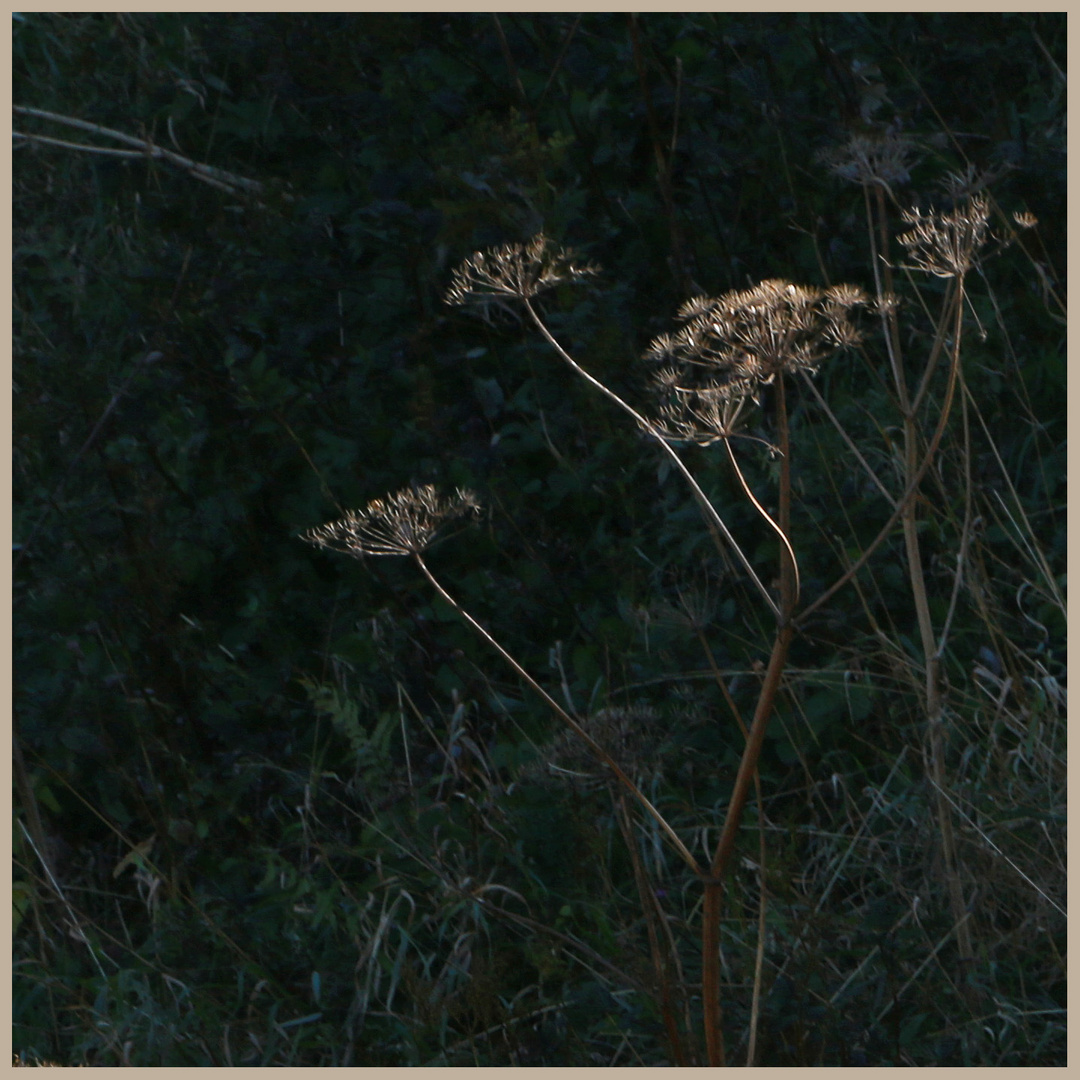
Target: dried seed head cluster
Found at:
865, 159
401, 524
514, 271
729, 347
945, 244
705, 415
963, 184
631, 735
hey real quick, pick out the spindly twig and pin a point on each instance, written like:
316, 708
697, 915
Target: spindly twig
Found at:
209, 174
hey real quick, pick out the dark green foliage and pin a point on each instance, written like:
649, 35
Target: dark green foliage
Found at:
359, 855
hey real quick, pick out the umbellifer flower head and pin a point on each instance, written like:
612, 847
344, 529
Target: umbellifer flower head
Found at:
729, 347
945, 244
514, 271
402, 524
867, 159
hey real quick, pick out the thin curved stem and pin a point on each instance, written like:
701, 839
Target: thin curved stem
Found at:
567, 719
913, 484
712, 517
765, 514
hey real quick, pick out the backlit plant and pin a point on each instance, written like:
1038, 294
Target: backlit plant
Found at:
722, 356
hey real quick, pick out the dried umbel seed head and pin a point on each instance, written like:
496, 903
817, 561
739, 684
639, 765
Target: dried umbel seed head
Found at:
886, 160
946, 244
514, 271
730, 346
704, 416
885, 304
631, 735
753, 334
402, 524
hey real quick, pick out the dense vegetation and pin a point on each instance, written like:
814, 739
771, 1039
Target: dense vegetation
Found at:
278, 807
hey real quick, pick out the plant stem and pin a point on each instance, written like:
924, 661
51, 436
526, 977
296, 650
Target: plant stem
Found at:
909, 493
756, 1000
934, 703
567, 719
712, 518
710, 930
654, 915
909, 520
764, 513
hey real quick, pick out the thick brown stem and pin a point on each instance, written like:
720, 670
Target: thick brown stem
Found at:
754, 1009
710, 975
710, 930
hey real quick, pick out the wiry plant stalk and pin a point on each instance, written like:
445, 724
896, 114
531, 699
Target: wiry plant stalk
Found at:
406, 524
931, 660
567, 719
944, 245
716, 523
664, 955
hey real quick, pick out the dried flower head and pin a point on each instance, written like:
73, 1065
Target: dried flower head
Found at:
402, 524
1025, 219
631, 735
704, 416
514, 271
884, 304
730, 346
963, 184
866, 159
945, 244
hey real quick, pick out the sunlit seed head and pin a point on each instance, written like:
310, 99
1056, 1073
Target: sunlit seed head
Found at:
732, 345
698, 305
846, 296
518, 271
946, 244
401, 524
661, 349
884, 304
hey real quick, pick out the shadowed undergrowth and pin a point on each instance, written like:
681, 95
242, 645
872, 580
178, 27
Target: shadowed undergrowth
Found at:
714, 711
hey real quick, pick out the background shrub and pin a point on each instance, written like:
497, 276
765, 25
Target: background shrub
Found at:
275, 809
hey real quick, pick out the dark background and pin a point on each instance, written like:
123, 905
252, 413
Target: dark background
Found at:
358, 856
